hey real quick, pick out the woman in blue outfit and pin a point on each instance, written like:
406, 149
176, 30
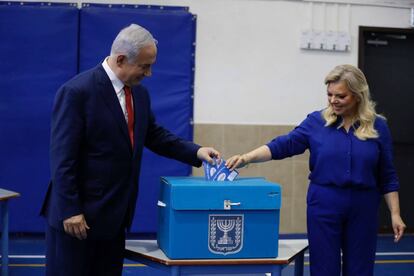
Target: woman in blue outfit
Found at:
350, 168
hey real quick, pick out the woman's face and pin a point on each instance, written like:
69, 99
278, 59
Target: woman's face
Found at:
343, 102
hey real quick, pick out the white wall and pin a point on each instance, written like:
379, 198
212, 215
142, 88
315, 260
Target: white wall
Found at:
249, 67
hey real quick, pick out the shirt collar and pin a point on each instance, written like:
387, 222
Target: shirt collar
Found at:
116, 83
339, 121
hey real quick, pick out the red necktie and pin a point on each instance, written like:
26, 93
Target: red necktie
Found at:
130, 111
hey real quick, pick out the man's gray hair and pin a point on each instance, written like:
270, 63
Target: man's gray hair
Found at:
130, 40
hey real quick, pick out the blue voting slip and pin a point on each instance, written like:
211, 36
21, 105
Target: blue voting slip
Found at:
218, 171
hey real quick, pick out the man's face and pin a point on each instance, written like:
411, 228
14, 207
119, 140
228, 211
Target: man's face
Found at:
133, 73
341, 99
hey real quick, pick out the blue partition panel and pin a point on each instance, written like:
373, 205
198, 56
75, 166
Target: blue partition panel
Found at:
170, 87
38, 52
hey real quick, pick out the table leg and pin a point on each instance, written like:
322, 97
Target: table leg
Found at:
4, 239
299, 264
175, 270
276, 270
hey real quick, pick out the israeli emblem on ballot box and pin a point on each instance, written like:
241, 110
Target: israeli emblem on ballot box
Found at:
225, 235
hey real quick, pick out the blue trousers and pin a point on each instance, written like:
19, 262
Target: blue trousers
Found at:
342, 220
68, 256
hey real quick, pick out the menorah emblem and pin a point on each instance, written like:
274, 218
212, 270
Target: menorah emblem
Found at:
225, 235
226, 225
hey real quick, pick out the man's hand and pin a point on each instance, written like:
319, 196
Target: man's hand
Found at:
76, 226
207, 154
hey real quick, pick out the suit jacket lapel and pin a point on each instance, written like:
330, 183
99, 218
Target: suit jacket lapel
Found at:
106, 90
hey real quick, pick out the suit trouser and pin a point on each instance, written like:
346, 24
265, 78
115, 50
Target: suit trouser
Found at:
342, 219
68, 256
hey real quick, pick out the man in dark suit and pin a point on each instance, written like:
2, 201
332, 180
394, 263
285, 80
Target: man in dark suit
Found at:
101, 121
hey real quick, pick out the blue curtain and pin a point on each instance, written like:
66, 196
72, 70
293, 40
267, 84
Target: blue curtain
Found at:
38, 53
47, 45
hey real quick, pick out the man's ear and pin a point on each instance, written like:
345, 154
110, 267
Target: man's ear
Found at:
121, 59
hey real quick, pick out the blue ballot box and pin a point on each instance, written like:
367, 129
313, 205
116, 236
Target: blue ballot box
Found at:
211, 219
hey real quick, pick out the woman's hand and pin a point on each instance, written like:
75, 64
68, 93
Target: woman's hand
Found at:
237, 161
261, 154
398, 226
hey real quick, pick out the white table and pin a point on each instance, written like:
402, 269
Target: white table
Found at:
5, 195
147, 252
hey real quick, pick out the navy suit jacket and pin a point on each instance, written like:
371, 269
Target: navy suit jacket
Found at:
94, 170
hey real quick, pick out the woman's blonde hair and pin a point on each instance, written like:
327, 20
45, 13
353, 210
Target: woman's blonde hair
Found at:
357, 84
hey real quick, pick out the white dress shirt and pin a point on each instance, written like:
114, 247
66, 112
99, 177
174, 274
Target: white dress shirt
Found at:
118, 87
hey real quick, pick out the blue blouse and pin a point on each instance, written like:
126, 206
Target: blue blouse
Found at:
338, 157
